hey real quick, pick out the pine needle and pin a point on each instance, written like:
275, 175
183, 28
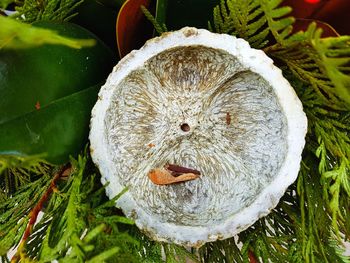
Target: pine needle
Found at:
160, 28
54, 10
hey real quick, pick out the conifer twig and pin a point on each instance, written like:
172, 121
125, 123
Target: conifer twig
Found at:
37, 208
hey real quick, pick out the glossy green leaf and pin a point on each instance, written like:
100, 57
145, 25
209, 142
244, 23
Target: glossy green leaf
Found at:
32, 78
17, 35
46, 101
57, 130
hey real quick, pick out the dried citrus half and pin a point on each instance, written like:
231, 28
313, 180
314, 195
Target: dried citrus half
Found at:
208, 103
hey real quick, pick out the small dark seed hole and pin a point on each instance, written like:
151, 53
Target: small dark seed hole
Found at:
185, 127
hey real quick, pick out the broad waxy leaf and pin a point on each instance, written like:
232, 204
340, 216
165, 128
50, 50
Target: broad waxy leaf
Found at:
32, 78
32, 82
59, 129
17, 35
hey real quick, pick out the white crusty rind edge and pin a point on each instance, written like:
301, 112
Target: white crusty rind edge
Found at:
257, 61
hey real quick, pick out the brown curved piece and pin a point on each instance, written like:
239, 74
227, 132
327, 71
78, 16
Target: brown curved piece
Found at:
163, 177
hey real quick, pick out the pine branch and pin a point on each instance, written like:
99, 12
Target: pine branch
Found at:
253, 20
35, 211
279, 25
320, 62
14, 212
326, 164
54, 10
329, 142
221, 251
79, 225
16, 171
317, 230
177, 254
160, 28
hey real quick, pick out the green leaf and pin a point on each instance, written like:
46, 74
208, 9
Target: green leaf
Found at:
32, 78
161, 8
36, 86
59, 129
47, 10
15, 35
5, 3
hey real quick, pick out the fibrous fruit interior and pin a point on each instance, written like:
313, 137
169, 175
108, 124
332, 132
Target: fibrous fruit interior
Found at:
197, 107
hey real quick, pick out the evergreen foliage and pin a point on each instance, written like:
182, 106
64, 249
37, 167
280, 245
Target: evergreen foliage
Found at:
16, 171
75, 217
308, 225
321, 62
253, 20
14, 212
54, 10
160, 28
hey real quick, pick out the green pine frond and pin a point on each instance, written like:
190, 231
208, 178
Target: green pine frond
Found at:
26, 163
17, 35
298, 229
160, 28
328, 141
280, 26
323, 63
16, 171
324, 180
253, 20
221, 251
53, 10
177, 254
14, 212
80, 225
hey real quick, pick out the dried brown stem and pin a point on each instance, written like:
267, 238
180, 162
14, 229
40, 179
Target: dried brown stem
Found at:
180, 169
35, 211
228, 118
